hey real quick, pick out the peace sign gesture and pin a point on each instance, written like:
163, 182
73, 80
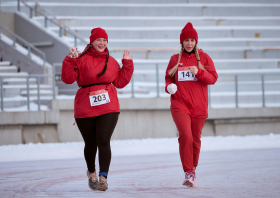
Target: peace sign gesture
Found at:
126, 55
73, 52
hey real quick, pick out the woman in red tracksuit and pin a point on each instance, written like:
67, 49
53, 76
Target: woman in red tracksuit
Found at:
187, 76
96, 107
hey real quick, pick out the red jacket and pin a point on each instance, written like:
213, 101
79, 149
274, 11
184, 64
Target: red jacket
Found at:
192, 96
84, 70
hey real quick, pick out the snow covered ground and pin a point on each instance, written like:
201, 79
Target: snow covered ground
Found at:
224, 173
49, 151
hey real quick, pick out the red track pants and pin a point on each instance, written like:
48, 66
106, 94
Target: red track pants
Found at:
189, 138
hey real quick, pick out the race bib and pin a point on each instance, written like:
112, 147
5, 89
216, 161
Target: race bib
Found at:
184, 74
99, 97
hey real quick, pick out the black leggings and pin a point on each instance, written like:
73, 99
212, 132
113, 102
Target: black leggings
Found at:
97, 132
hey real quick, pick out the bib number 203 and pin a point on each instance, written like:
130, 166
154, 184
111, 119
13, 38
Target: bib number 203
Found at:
99, 97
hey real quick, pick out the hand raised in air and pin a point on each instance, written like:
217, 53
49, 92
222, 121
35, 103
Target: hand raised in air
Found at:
126, 55
73, 52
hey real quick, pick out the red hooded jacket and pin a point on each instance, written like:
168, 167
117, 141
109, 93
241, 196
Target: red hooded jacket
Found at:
191, 96
84, 70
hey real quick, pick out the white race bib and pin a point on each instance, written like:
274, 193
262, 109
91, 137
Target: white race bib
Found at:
184, 74
99, 97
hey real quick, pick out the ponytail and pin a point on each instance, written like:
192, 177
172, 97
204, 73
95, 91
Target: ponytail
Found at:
172, 71
198, 58
88, 47
105, 67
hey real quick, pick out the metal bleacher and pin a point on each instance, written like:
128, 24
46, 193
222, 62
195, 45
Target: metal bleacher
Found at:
242, 38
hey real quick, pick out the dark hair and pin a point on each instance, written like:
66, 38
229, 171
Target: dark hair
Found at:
105, 67
88, 46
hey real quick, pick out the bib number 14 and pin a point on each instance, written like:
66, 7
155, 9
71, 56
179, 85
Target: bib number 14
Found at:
184, 74
99, 97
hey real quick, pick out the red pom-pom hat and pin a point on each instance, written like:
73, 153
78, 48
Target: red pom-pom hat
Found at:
98, 33
188, 32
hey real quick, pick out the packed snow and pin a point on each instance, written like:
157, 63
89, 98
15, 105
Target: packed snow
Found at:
52, 151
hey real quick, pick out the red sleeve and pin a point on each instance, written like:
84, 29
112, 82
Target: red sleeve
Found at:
210, 77
125, 73
169, 79
70, 70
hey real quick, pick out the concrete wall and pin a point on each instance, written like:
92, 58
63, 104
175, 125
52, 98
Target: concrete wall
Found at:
7, 20
151, 118
34, 34
31, 126
139, 118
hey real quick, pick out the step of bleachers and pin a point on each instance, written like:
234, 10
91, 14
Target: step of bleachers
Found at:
174, 32
8, 69
5, 63
15, 90
175, 43
34, 92
214, 53
161, 9
224, 98
161, 21
220, 64
156, 1
19, 101
19, 81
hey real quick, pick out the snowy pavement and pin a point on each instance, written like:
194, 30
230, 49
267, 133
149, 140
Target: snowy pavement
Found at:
73, 150
232, 166
235, 173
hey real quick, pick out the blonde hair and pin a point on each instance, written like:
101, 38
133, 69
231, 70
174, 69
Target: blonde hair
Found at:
172, 71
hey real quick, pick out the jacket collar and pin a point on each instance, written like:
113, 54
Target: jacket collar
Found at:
92, 52
192, 54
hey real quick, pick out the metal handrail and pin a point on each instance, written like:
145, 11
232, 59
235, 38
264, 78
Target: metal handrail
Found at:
221, 73
57, 23
29, 45
27, 76
38, 76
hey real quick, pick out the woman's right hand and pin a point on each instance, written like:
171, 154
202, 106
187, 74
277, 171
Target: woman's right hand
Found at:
172, 88
73, 52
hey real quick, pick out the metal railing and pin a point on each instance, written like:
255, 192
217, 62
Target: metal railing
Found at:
27, 77
26, 43
63, 29
236, 76
261, 73
233, 74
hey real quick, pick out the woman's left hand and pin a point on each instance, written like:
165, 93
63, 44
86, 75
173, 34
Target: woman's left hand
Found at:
193, 70
126, 55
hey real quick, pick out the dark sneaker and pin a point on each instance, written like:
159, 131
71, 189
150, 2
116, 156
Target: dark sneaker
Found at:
102, 185
92, 180
190, 179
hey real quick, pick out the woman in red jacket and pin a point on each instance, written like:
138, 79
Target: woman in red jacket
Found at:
187, 76
96, 108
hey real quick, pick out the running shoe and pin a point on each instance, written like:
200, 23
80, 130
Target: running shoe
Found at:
92, 180
190, 179
102, 184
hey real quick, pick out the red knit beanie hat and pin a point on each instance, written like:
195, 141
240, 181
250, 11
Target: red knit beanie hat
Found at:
188, 32
98, 33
